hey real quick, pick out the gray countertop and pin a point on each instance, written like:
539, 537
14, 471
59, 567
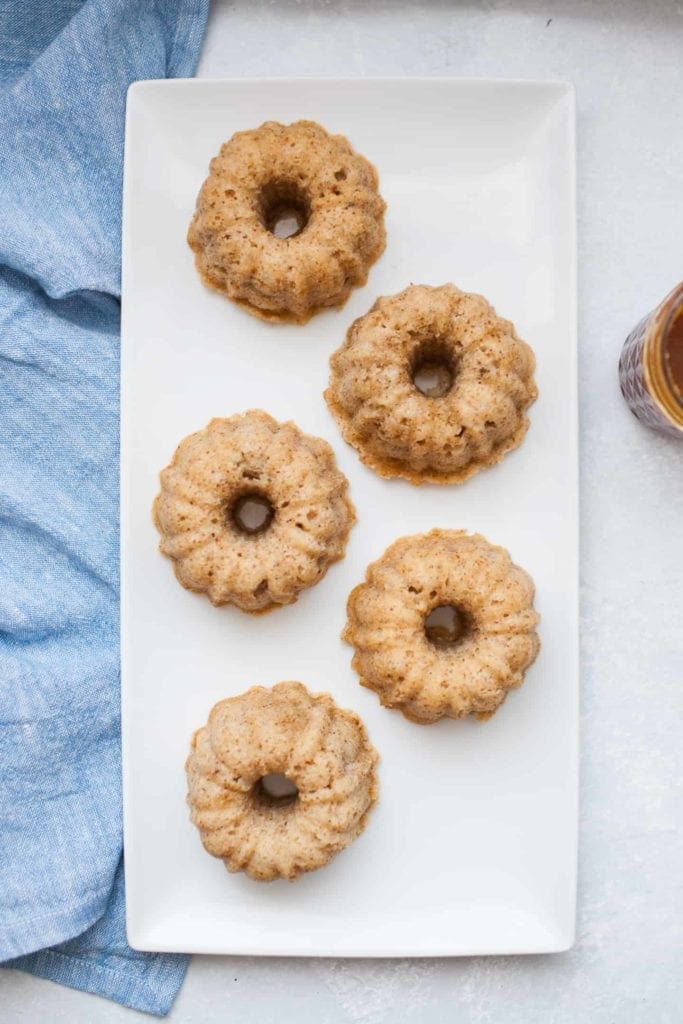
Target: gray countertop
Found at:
624, 58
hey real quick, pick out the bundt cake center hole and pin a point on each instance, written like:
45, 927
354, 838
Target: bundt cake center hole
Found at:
432, 369
275, 790
446, 625
252, 513
284, 209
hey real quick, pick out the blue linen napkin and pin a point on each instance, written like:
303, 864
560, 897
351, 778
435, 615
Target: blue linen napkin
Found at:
65, 66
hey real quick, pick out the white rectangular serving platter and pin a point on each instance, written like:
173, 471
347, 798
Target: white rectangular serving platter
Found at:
472, 846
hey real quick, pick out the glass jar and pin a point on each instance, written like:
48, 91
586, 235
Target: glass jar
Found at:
651, 367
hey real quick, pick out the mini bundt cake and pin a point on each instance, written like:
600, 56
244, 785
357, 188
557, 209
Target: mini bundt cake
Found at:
431, 385
280, 780
288, 221
443, 626
252, 511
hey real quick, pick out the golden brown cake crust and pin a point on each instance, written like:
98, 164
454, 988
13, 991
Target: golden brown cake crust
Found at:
300, 167
400, 432
322, 749
251, 455
386, 616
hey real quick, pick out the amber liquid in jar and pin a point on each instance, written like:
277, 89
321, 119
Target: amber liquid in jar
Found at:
651, 367
673, 354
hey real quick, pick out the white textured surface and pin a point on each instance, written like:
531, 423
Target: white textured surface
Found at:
625, 59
